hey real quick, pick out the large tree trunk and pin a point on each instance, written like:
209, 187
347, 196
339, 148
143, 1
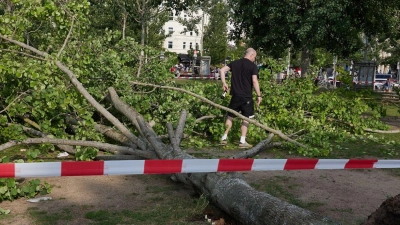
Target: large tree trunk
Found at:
225, 190
249, 206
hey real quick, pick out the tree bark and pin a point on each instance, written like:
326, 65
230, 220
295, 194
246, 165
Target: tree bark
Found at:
277, 132
240, 200
305, 62
66, 148
249, 206
226, 190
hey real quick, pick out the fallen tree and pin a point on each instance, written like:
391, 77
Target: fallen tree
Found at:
226, 190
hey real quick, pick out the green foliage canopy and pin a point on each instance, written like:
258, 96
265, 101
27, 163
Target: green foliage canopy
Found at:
215, 35
34, 88
333, 25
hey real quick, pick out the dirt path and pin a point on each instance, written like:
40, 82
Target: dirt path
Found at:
349, 196
345, 195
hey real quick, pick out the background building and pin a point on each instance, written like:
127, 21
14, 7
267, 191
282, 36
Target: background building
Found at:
182, 42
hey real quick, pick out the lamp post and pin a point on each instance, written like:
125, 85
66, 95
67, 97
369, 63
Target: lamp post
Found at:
288, 58
397, 72
334, 71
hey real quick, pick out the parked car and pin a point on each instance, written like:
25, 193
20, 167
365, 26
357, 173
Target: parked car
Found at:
380, 80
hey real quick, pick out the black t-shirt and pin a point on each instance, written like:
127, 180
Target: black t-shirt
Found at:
241, 80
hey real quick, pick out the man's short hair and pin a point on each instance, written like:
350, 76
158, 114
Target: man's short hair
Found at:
250, 51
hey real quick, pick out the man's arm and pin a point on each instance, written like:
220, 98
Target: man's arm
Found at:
256, 86
222, 72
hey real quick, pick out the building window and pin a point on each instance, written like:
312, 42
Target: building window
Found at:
184, 45
197, 34
191, 33
197, 46
185, 16
169, 44
190, 45
171, 16
170, 30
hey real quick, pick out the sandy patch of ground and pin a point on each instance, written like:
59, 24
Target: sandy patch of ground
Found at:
348, 196
92, 193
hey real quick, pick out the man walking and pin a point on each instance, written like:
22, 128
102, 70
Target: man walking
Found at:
244, 78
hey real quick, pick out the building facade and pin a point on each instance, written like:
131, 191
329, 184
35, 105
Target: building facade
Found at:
180, 42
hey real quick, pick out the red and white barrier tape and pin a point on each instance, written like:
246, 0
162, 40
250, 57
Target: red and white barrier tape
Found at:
190, 77
125, 167
371, 82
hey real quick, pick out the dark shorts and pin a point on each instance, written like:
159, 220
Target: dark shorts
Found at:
244, 105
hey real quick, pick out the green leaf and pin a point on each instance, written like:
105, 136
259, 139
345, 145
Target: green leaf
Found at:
14, 192
25, 189
4, 211
3, 189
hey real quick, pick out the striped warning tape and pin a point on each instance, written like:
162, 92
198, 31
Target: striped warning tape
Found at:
197, 78
125, 167
370, 82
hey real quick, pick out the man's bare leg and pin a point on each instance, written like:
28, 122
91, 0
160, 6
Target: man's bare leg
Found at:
243, 130
228, 125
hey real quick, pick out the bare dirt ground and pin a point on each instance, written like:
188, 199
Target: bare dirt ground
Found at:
348, 196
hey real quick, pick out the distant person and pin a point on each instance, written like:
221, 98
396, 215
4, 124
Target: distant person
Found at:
388, 85
177, 71
244, 78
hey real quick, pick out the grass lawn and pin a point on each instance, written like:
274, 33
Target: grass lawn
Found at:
171, 211
185, 81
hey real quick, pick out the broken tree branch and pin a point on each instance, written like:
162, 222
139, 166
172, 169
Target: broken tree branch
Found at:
78, 85
23, 53
255, 150
279, 133
161, 149
110, 117
34, 132
382, 131
173, 139
125, 109
198, 120
114, 134
67, 38
30, 48
103, 146
15, 99
180, 127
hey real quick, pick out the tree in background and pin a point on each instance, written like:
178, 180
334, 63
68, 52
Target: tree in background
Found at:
215, 35
54, 72
197, 12
306, 25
